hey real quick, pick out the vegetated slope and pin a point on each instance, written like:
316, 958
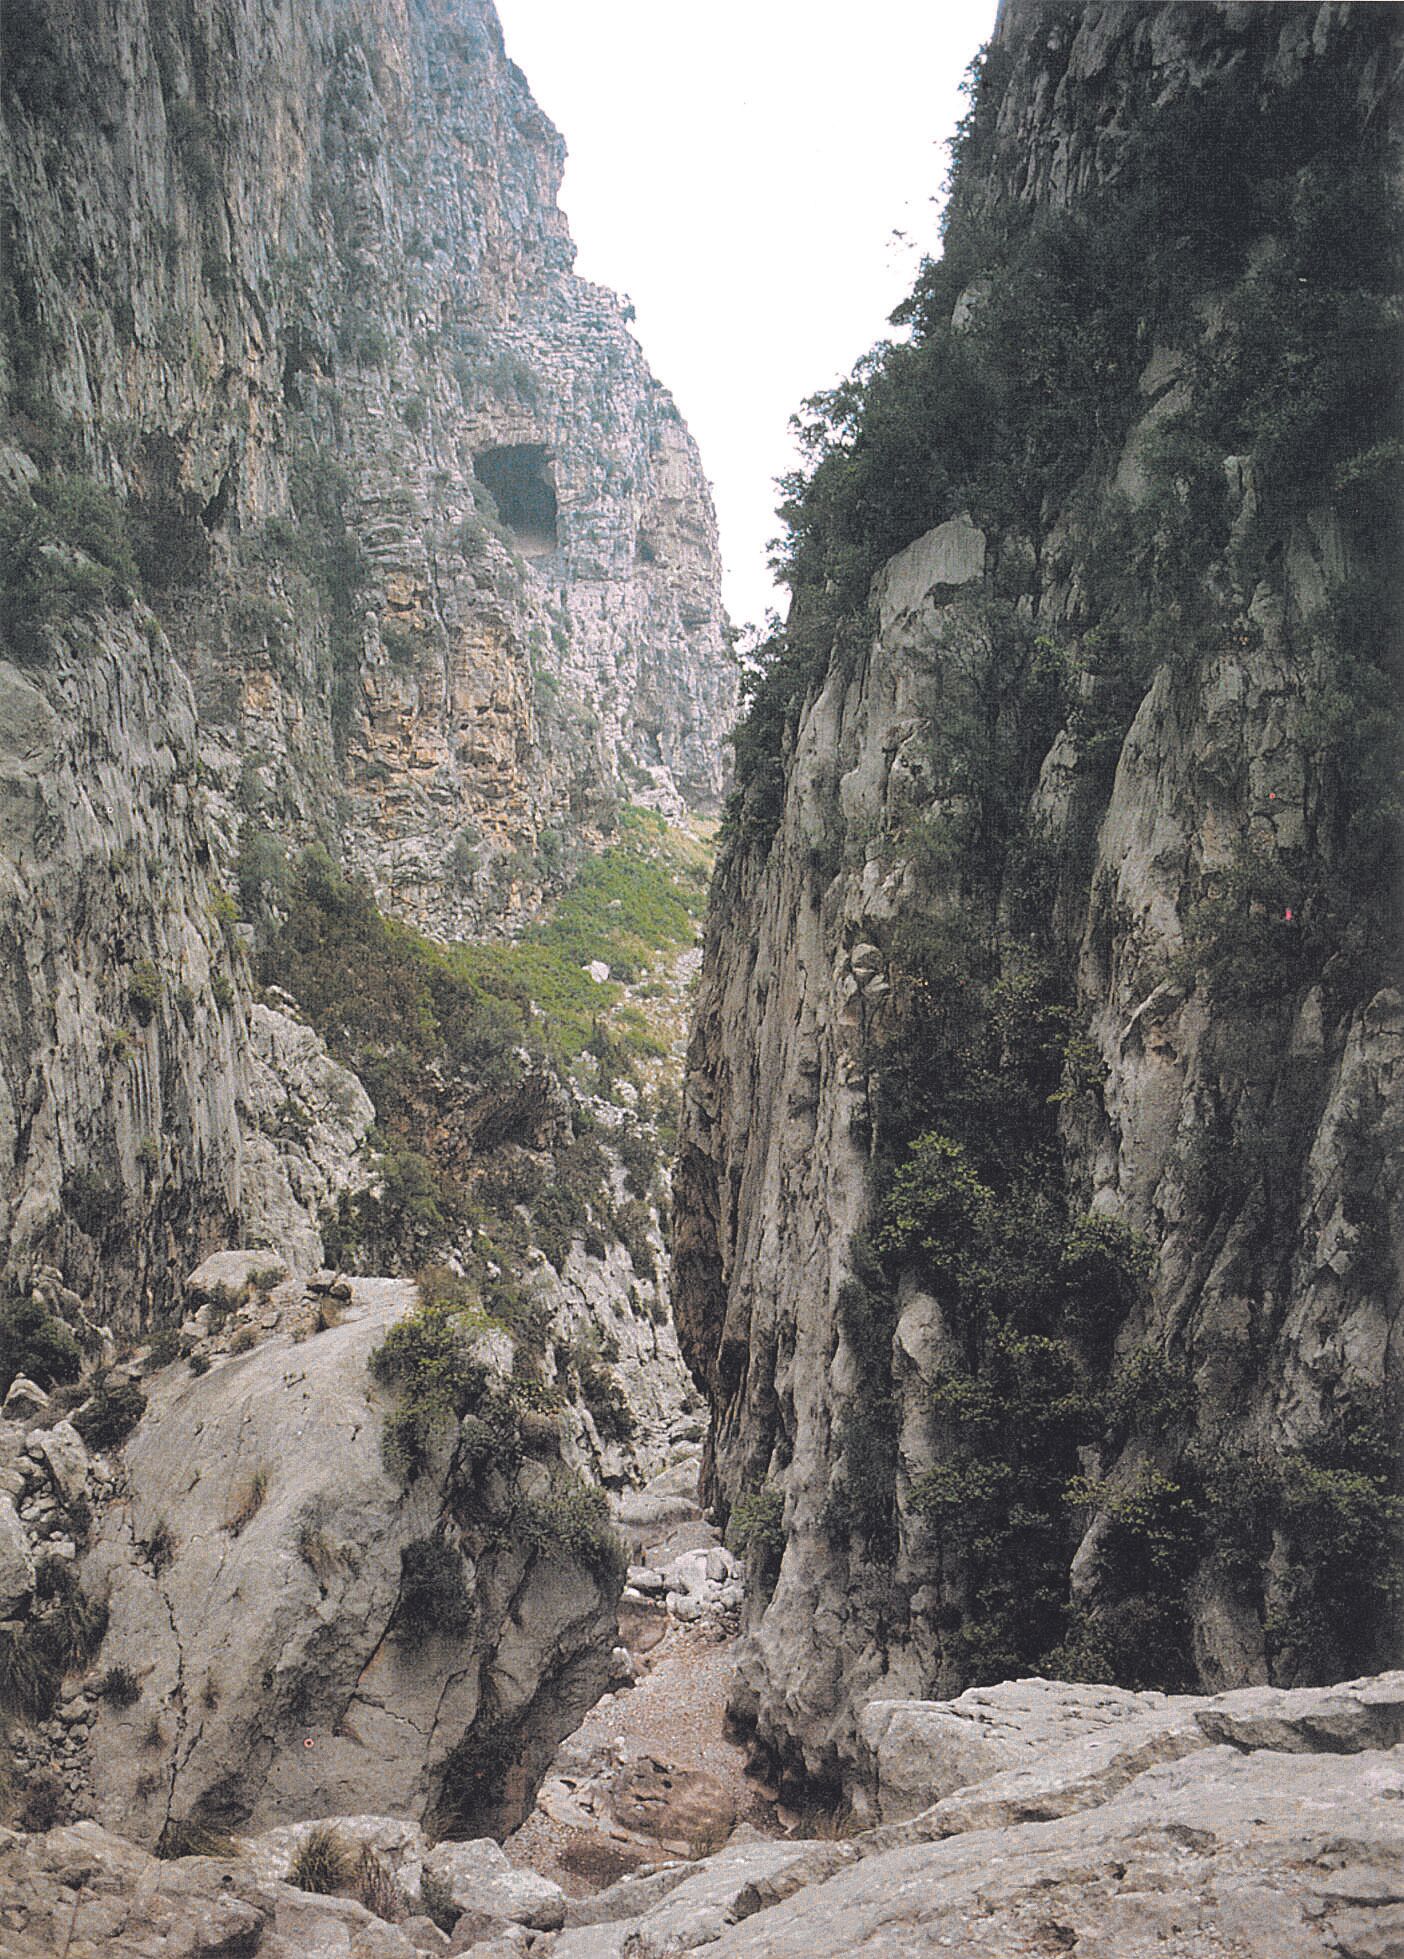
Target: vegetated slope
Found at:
525, 1111
1038, 1228
336, 512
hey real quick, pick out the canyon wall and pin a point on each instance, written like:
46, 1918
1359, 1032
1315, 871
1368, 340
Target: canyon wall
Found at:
334, 509
1038, 1230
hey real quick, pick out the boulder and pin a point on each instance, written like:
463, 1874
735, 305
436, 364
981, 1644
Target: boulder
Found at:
24, 1400
65, 1456
916, 1752
399, 1844
481, 1880
230, 1274
275, 1617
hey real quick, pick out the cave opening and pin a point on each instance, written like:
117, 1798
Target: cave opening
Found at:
519, 476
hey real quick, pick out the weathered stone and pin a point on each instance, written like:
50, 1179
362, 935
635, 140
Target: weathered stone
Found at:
66, 1458
24, 1399
790, 1100
533, 630
274, 1613
16, 1562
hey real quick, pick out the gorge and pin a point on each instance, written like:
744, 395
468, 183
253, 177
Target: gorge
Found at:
996, 1223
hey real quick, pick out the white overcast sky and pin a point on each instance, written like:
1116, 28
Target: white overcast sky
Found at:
740, 168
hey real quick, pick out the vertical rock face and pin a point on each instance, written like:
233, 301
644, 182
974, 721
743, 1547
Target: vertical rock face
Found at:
1038, 1227
333, 507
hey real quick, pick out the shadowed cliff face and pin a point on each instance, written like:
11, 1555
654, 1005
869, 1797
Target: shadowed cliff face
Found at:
277, 286
1037, 1228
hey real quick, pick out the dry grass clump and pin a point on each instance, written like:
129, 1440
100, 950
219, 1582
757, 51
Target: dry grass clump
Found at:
323, 1863
188, 1837
373, 1884
245, 1501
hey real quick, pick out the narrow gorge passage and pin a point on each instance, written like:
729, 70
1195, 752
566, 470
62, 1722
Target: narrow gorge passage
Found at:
668, 1287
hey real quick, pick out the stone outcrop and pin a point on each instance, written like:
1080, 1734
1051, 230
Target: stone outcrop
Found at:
942, 861
252, 1568
1259, 1825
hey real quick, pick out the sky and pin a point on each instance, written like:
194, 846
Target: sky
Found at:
761, 178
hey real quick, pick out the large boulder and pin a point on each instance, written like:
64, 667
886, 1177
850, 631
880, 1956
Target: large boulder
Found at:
916, 1752
258, 1611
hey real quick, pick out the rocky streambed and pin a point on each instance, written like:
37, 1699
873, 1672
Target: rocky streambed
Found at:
1261, 1824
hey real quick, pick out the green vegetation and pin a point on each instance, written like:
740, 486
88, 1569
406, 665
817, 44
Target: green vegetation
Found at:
111, 1412
36, 1343
401, 1010
324, 1862
64, 1630
120, 1687
428, 1358
573, 1521
1274, 312
64, 551
189, 1837
641, 897
434, 1600
472, 1774
755, 1531
1253, 195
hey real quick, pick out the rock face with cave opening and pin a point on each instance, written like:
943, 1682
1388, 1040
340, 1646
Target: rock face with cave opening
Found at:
296, 293
519, 478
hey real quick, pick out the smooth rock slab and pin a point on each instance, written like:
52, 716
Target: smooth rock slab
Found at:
920, 1751
1218, 1856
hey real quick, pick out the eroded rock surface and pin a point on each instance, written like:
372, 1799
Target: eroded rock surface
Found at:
275, 1682
926, 873
1209, 1850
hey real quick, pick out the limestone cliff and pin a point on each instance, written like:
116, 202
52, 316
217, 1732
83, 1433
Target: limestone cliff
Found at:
1038, 1228
334, 508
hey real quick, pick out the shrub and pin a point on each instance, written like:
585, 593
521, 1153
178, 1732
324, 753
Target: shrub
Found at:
111, 1414
144, 990
65, 1628
28, 1682
43, 1801
373, 1883
159, 1548
436, 1901
43, 583
119, 1686
573, 1521
934, 1201
427, 1357
434, 1600
36, 1343
755, 1529
165, 1346
472, 1774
